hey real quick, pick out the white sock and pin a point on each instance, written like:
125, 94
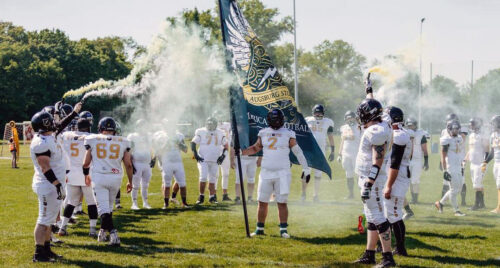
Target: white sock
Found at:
64, 223
93, 223
317, 186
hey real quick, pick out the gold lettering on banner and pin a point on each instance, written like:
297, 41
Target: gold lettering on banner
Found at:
267, 97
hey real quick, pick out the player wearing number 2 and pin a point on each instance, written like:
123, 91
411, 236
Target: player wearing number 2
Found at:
275, 177
104, 156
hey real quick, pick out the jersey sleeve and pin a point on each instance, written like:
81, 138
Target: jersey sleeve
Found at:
261, 132
401, 138
197, 136
376, 135
89, 142
444, 140
41, 147
331, 124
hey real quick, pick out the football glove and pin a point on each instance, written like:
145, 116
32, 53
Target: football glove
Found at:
153, 162
306, 175
365, 191
60, 192
198, 158
221, 159
331, 157
426, 163
447, 176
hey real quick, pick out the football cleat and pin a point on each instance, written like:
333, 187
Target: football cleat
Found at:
37, 257
114, 240
62, 232
93, 232
102, 236
400, 252
175, 201
213, 200
439, 206
225, 197
201, 200
361, 228
146, 206
237, 200
316, 199
368, 257
51, 254
54, 228
407, 216
71, 221
257, 233
285, 235
459, 214
54, 240
250, 201
134, 207
118, 206
387, 260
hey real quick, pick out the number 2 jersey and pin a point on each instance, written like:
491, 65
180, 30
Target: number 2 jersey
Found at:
276, 148
74, 149
376, 135
211, 143
107, 153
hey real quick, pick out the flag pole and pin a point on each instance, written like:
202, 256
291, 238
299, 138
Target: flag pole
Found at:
236, 140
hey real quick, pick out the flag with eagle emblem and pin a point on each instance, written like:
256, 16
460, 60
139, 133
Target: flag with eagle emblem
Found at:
261, 88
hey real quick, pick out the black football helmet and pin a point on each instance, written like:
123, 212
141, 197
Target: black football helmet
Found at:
350, 117
318, 111
211, 123
476, 123
369, 110
66, 109
495, 122
396, 115
275, 119
411, 123
42, 122
49, 109
87, 116
107, 124
83, 125
453, 127
451, 117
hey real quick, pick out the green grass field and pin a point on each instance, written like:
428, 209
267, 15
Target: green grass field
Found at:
323, 234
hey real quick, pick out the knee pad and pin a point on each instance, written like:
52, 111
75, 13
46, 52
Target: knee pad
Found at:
92, 209
68, 211
372, 226
383, 227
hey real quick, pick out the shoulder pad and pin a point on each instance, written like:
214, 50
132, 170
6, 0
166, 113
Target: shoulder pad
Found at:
377, 134
401, 137
445, 140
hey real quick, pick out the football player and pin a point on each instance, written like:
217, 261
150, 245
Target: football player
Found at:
170, 162
143, 163
224, 167
77, 185
275, 176
350, 134
103, 166
211, 154
494, 153
420, 153
48, 179
451, 161
478, 146
371, 156
398, 180
322, 128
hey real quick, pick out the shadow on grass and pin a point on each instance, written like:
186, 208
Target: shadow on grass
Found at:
439, 220
82, 263
353, 239
448, 236
413, 243
462, 261
140, 246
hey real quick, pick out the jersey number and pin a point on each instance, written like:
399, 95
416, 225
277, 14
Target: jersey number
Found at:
102, 151
272, 141
210, 140
74, 149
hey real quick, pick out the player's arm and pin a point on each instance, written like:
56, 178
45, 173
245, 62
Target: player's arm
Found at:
331, 157
396, 158
423, 144
257, 147
232, 156
182, 146
488, 156
127, 161
67, 120
195, 152
43, 160
444, 164
368, 87
378, 153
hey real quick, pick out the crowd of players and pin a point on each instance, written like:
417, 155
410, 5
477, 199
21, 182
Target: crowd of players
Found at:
386, 152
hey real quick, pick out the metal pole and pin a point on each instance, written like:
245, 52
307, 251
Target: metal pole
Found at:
472, 75
236, 139
296, 84
420, 76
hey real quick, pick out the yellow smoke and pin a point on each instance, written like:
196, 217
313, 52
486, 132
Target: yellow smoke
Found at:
384, 73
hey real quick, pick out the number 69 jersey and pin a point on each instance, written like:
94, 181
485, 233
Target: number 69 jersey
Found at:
211, 143
74, 150
107, 153
276, 148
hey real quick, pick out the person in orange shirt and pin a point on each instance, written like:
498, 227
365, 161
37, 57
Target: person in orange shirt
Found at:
13, 151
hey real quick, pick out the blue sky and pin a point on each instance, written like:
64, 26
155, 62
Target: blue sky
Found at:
455, 31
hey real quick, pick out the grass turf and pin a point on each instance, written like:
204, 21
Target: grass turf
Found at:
323, 234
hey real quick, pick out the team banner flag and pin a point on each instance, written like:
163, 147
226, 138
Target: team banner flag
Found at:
261, 88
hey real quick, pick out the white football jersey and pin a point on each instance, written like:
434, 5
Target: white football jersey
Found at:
403, 137
211, 143
378, 134
276, 148
444, 133
351, 136
419, 136
478, 146
226, 127
495, 144
107, 153
170, 151
74, 149
319, 129
455, 155
140, 147
43, 144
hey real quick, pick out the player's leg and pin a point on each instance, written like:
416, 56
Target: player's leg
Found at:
102, 196
213, 170
394, 210
113, 187
136, 184
73, 194
496, 175
237, 185
463, 192
348, 166
456, 185
446, 188
145, 179
304, 190
317, 184
416, 173
203, 170
251, 169
477, 184
281, 190
264, 191
180, 183
91, 208
48, 209
117, 200
166, 176
408, 211
226, 165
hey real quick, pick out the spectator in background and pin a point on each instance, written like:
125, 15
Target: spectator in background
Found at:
13, 151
